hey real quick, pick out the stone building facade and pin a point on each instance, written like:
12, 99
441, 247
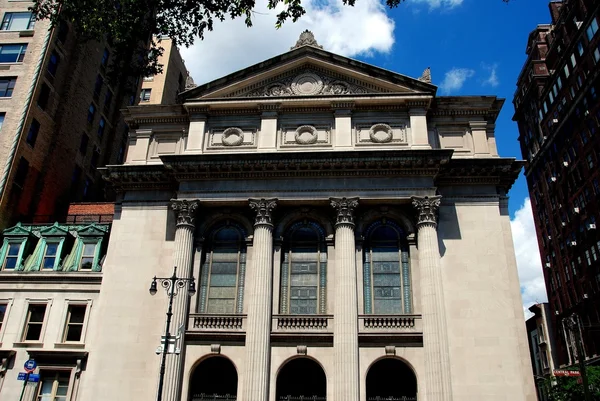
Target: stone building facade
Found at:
347, 231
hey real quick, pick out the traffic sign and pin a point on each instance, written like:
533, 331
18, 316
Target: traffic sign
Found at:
30, 365
29, 376
567, 373
34, 378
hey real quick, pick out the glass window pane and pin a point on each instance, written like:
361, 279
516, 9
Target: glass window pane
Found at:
36, 313
223, 280
34, 331
19, 21
385, 306
51, 249
74, 332
89, 249
10, 262
77, 313
386, 280
87, 263
13, 249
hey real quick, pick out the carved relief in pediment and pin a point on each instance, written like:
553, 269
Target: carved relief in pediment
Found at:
307, 83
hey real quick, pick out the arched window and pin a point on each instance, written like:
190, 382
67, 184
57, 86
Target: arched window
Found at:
214, 379
387, 282
391, 379
301, 379
304, 270
223, 271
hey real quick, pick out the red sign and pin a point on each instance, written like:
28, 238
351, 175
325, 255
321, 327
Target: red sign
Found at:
568, 373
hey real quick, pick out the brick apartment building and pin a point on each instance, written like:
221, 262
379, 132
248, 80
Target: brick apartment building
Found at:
60, 116
558, 114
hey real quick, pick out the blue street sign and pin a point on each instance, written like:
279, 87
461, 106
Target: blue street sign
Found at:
30, 365
34, 378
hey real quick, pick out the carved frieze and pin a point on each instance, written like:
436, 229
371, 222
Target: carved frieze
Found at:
307, 83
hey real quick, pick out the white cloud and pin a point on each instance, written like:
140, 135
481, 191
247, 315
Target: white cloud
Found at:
439, 3
455, 79
492, 80
350, 31
533, 288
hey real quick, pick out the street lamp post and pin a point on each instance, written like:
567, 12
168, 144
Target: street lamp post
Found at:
172, 285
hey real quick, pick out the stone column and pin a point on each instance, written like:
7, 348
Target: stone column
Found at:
258, 329
435, 333
185, 212
345, 321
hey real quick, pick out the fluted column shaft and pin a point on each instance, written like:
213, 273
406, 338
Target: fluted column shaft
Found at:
260, 291
182, 258
345, 322
435, 332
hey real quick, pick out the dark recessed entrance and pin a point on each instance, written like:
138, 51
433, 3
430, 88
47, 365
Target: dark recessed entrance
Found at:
214, 379
301, 379
391, 380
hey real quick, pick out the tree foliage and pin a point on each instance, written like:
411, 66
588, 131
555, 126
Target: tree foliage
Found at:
570, 389
131, 24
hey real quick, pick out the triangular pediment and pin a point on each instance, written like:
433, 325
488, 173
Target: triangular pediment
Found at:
17, 231
93, 230
309, 71
54, 230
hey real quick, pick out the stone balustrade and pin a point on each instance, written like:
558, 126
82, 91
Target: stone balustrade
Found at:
213, 322
302, 323
390, 323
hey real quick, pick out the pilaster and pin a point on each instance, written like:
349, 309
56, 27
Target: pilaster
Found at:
345, 323
139, 143
418, 128
343, 125
196, 133
480, 140
267, 140
185, 213
260, 291
435, 332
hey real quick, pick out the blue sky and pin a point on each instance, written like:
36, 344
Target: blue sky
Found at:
474, 47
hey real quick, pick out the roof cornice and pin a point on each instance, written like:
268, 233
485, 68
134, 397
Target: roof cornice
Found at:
437, 163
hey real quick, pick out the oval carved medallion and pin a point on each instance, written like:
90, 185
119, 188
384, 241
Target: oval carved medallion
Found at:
233, 136
381, 133
306, 135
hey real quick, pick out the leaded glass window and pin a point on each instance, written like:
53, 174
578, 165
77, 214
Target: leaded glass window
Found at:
386, 268
223, 271
304, 270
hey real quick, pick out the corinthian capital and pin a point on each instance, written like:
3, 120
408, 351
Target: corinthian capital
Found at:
345, 209
427, 209
185, 210
264, 210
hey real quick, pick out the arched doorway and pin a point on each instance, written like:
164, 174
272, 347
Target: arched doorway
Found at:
391, 379
301, 379
214, 379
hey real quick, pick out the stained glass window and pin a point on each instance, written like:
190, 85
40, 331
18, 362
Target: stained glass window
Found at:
223, 271
304, 270
386, 269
